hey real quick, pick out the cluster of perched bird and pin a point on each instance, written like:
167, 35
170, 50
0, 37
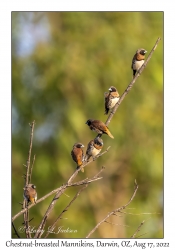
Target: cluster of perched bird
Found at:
94, 146
111, 98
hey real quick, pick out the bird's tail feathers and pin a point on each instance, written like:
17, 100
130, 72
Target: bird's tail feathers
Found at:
109, 133
81, 168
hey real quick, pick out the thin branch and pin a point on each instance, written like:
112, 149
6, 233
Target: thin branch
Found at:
116, 224
26, 219
137, 214
138, 229
132, 83
29, 154
141, 235
16, 233
115, 211
84, 182
30, 176
27, 177
102, 169
57, 196
60, 189
51, 228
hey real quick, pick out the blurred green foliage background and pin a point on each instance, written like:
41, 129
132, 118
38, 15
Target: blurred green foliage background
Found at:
62, 63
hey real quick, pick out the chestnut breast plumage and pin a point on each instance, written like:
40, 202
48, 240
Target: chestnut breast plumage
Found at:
30, 193
77, 154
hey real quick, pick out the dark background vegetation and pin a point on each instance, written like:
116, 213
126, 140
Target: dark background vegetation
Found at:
62, 63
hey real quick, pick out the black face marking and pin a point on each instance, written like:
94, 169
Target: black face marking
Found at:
88, 122
142, 52
98, 141
113, 89
79, 145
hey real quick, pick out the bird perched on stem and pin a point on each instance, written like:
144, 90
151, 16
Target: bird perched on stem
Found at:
30, 193
99, 127
138, 60
111, 98
78, 155
93, 148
